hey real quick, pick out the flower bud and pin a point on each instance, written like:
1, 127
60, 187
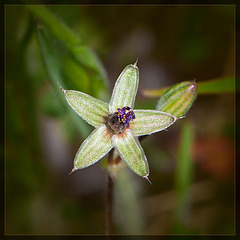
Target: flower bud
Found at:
178, 99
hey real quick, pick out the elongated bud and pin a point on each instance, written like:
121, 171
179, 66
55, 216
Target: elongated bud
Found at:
178, 99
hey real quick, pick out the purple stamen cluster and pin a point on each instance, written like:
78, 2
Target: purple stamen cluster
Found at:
118, 122
125, 115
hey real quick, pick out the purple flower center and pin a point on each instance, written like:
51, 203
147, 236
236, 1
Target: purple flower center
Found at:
118, 122
125, 115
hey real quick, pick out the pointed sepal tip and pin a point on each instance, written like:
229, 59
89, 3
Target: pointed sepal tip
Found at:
135, 64
73, 170
146, 177
63, 90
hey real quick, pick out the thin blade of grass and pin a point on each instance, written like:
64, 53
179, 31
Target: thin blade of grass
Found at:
183, 179
215, 86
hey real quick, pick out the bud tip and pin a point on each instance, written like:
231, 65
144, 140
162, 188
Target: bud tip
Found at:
193, 87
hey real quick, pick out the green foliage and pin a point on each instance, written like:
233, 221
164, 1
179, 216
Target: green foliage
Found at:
50, 105
184, 163
183, 179
214, 86
68, 61
217, 86
80, 53
54, 71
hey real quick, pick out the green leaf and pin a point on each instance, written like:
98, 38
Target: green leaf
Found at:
150, 121
214, 86
131, 152
184, 170
73, 74
184, 163
53, 69
96, 146
217, 86
87, 56
76, 75
89, 108
51, 63
59, 29
79, 51
125, 89
49, 103
178, 99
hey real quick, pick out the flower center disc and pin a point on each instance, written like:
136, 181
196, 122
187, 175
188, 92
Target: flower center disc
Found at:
118, 122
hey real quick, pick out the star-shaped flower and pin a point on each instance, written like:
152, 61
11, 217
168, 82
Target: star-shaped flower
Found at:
117, 124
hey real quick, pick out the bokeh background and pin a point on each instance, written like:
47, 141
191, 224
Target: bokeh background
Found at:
191, 164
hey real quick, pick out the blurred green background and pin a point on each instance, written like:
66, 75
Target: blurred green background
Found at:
191, 164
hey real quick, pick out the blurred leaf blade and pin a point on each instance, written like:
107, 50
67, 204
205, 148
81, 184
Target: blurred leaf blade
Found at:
154, 93
214, 86
50, 61
53, 69
76, 75
184, 160
127, 204
60, 30
79, 51
183, 177
217, 86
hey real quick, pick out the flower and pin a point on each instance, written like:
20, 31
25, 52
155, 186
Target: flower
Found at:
117, 124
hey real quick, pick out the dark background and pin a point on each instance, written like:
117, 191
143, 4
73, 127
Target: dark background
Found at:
172, 44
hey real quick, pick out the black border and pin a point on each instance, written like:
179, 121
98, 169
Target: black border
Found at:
122, 2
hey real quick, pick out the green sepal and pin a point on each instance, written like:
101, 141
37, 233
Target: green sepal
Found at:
178, 99
89, 108
150, 121
96, 146
125, 89
131, 152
